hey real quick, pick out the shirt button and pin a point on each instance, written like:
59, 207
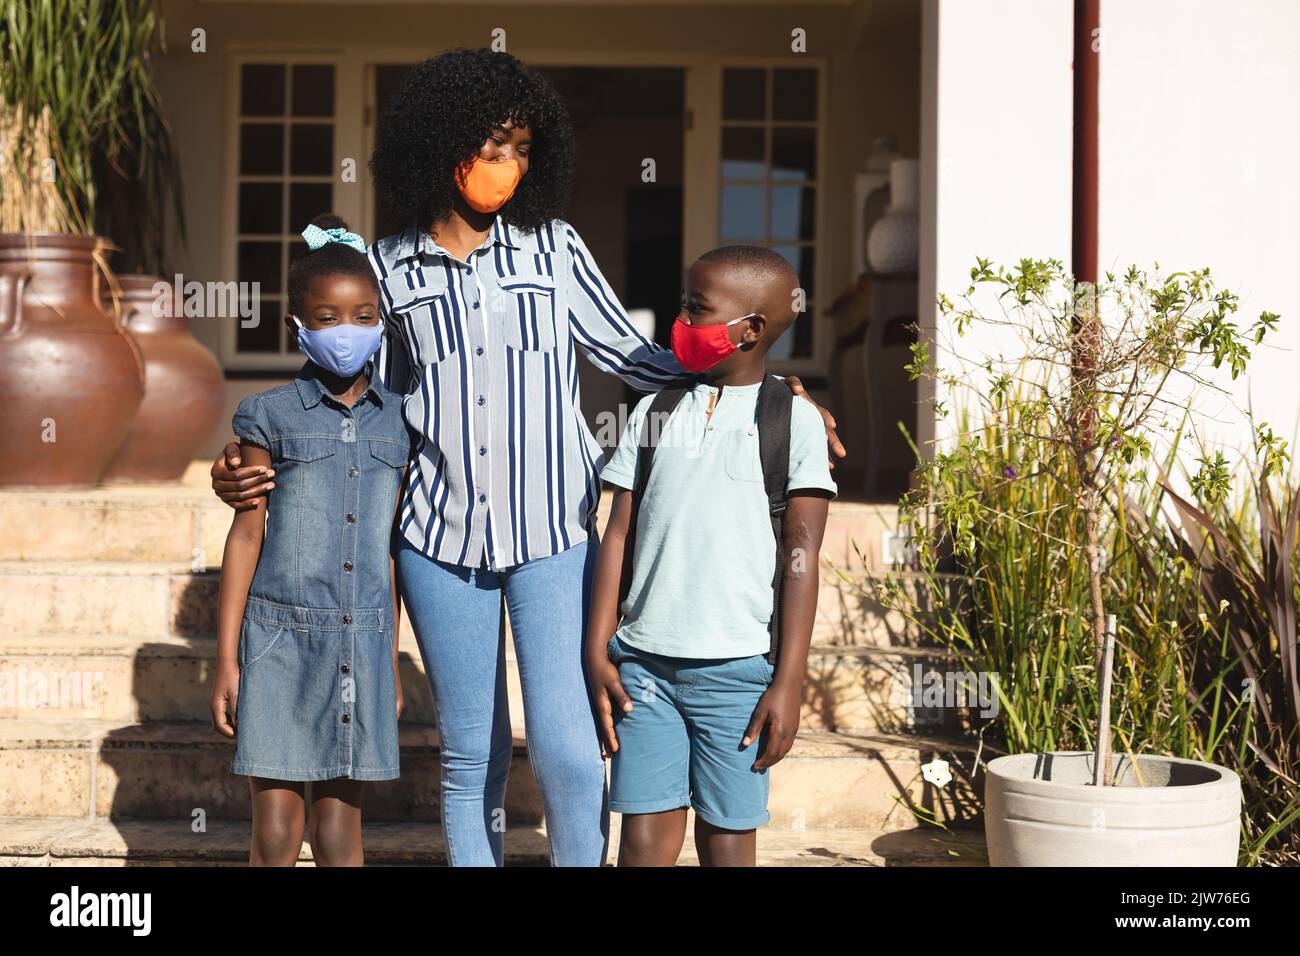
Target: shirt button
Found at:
353, 471
479, 350
482, 400
343, 668
352, 519
347, 718
482, 450
347, 565
482, 498
476, 303
347, 618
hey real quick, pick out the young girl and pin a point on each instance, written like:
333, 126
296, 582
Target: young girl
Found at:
307, 651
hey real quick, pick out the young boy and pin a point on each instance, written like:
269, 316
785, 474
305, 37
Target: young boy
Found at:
690, 709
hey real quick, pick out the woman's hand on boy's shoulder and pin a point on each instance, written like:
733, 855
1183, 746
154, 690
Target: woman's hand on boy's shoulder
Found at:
832, 439
239, 485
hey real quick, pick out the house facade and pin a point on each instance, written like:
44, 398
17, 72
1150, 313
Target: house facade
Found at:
697, 126
750, 122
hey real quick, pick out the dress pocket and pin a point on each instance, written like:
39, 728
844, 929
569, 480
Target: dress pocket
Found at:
524, 309
306, 449
256, 639
390, 453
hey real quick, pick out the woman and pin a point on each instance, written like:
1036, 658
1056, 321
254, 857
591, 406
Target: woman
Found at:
489, 296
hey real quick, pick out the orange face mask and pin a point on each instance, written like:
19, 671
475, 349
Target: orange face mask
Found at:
486, 186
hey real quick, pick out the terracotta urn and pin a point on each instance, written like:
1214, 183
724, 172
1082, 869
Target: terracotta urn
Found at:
184, 392
70, 378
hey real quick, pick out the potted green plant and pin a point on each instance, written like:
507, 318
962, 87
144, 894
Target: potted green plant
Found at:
1097, 373
76, 92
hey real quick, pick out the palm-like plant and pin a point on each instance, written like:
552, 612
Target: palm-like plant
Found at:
78, 101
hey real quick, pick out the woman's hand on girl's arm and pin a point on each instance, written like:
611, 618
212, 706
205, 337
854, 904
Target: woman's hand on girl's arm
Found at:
238, 564
603, 682
238, 481
832, 439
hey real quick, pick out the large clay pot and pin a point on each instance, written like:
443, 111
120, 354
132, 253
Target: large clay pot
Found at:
70, 378
184, 391
1041, 809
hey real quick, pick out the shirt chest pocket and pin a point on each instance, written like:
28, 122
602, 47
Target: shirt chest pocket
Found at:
524, 310
426, 316
740, 456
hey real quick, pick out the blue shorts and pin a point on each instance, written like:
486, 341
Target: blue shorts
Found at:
680, 744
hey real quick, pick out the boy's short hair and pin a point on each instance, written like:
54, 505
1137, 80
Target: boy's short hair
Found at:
773, 279
759, 259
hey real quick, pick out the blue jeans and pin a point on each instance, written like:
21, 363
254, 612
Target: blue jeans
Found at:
456, 614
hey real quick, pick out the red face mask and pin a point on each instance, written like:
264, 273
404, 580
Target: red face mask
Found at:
700, 347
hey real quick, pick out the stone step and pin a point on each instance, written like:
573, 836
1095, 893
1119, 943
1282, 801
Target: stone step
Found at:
161, 679
171, 599
184, 522
58, 841
101, 768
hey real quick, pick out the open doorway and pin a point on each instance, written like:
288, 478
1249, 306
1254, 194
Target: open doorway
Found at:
622, 116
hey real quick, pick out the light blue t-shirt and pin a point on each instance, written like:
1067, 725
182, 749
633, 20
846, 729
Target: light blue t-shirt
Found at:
704, 555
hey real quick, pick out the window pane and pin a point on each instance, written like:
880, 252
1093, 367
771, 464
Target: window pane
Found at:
306, 202
794, 94
797, 340
261, 149
261, 89
265, 335
313, 90
742, 152
311, 149
260, 208
794, 152
794, 212
742, 212
801, 258
260, 262
744, 93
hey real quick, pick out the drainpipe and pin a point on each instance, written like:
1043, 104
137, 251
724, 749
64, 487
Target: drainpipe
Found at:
1087, 21
1083, 252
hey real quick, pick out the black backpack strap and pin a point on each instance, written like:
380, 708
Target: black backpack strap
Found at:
652, 426
775, 402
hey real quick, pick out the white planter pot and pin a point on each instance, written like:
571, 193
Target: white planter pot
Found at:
1042, 810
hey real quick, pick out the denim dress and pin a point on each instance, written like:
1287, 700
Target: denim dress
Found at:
316, 690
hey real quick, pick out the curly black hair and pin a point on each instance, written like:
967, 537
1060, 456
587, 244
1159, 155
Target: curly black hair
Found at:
331, 259
442, 114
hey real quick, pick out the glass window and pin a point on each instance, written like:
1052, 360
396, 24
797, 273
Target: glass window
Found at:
286, 174
768, 175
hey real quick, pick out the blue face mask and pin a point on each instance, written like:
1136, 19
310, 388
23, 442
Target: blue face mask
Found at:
342, 349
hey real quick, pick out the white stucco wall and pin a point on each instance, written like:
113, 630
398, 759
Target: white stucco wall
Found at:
1199, 129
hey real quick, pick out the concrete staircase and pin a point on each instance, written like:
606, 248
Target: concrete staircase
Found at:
107, 617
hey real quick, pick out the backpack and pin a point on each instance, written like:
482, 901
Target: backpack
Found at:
772, 416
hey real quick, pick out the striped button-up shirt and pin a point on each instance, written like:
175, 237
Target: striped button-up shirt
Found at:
504, 469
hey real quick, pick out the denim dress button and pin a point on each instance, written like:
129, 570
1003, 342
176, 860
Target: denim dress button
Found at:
351, 519
347, 718
347, 566
347, 618
343, 668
